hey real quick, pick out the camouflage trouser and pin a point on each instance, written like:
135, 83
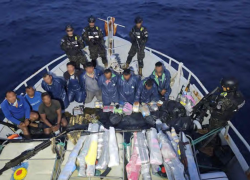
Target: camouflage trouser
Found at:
98, 49
79, 59
140, 54
215, 123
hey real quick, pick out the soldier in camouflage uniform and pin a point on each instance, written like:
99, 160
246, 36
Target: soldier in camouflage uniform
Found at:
73, 44
139, 37
93, 37
226, 103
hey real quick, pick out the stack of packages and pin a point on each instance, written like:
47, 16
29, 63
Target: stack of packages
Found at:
158, 150
101, 146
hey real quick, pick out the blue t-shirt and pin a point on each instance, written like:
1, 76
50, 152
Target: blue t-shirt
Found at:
35, 101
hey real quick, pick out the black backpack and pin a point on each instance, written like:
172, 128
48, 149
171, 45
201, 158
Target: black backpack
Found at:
171, 110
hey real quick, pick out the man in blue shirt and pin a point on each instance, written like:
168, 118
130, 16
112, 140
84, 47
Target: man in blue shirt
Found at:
17, 110
55, 86
33, 97
146, 92
162, 78
108, 84
127, 86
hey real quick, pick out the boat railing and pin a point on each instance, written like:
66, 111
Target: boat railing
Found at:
24, 83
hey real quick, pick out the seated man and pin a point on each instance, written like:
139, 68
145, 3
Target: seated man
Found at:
89, 82
108, 84
127, 86
146, 92
55, 86
51, 114
17, 110
72, 76
162, 78
33, 97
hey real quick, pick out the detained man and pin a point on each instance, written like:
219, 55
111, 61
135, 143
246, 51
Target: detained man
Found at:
89, 82
17, 110
108, 84
162, 79
33, 97
51, 114
72, 45
55, 86
147, 92
74, 89
127, 86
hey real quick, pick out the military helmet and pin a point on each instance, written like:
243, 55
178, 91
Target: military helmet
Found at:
69, 26
231, 83
138, 19
91, 19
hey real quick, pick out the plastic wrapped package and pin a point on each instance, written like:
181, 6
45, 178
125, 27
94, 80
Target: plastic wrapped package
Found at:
127, 108
153, 106
104, 158
99, 104
142, 150
113, 149
154, 147
145, 171
83, 153
108, 109
90, 158
100, 142
127, 147
133, 170
192, 168
170, 157
144, 110
70, 166
169, 172
174, 144
136, 108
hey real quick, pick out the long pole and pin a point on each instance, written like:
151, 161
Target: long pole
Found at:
114, 23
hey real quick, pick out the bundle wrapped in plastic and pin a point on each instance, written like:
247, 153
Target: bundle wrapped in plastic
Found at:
83, 153
113, 149
174, 144
154, 147
170, 157
127, 151
153, 106
98, 104
90, 158
142, 150
144, 110
100, 142
71, 163
136, 107
192, 168
145, 171
127, 108
169, 171
104, 158
133, 170
108, 109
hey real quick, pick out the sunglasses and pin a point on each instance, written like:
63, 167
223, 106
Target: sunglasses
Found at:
69, 30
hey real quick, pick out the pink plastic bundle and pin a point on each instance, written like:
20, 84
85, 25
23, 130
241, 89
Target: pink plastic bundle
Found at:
127, 109
133, 170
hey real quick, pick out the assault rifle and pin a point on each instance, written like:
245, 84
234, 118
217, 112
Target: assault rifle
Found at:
200, 109
32, 152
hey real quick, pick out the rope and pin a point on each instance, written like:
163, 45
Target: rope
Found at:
194, 142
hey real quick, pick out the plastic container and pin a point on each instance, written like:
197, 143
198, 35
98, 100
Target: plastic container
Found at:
144, 110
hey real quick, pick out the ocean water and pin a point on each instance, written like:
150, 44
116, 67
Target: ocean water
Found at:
211, 37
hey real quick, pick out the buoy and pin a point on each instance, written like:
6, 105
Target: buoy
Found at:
20, 173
